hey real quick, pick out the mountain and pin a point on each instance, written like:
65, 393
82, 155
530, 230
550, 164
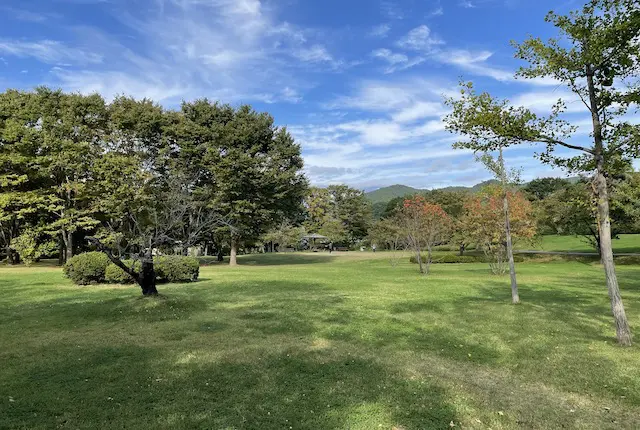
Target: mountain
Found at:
383, 195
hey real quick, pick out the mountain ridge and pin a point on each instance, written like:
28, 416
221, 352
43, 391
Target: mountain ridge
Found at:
385, 194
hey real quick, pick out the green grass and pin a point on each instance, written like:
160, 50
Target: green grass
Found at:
343, 341
626, 243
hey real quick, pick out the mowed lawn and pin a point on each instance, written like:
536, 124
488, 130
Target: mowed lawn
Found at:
312, 341
624, 243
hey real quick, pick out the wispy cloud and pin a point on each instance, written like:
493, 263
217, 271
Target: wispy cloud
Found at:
49, 52
419, 39
238, 49
380, 31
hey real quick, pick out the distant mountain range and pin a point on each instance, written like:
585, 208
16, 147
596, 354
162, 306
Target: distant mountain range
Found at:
383, 195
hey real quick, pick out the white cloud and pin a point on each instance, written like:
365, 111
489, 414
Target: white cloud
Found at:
235, 49
543, 101
419, 110
49, 51
474, 62
419, 39
380, 31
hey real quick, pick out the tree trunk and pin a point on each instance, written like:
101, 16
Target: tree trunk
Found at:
61, 253
462, 247
515, 297
147, 277
234, 251
420, 266
220, 255
428, 265
623, 332
69, 245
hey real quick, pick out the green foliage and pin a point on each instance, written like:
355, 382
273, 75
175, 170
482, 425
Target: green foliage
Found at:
87, 268
32, 245
115, 275
176, 268
385, 194
94, 267
338, 212
541, 188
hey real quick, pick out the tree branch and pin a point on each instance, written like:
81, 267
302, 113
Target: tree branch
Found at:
102, 248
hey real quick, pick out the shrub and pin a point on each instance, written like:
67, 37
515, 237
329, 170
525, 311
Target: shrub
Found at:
176, 268
452, 258
95, 267
87, 268
115, 275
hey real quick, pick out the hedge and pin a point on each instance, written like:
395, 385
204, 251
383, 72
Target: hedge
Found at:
87, 268
95, 267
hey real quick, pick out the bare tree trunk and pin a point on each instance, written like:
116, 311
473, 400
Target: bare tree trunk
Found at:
623, 332
61, 251
234, 251
515, 297
147, 277
462, 247
418, 254
428, 265
69, 245
220, 255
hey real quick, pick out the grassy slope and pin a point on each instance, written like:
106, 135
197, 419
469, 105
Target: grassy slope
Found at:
626, 243
315, 342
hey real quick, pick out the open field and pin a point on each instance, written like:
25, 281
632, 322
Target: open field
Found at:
312, 341
625, 243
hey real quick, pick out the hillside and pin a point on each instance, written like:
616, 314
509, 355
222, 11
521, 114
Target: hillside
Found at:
383, 195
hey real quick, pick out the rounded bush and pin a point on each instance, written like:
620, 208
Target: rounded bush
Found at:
176, 268
87, 268
115, 275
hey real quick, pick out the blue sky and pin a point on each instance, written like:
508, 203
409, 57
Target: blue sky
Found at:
359, 83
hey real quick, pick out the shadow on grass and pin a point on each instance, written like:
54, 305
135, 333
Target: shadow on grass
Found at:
272, 259
128, 386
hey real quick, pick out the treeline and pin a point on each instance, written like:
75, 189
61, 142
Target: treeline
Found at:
557, 205
134, 177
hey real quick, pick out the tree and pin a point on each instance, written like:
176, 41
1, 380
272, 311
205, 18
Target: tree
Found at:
598, 58
541, 188
424, 224
284, 235
339, 212
150, 190
255, 168
484, 223
572, 210
506, 178
389, 233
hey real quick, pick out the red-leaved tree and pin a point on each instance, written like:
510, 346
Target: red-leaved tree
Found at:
425, 225
483, 223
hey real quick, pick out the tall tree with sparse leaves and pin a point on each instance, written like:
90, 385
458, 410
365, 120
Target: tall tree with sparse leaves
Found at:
597, 56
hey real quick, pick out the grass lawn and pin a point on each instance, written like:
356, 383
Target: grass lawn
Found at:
312, 341
625, 243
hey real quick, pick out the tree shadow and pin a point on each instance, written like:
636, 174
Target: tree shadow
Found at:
283, 259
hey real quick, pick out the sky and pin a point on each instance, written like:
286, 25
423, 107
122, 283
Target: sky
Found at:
359, 83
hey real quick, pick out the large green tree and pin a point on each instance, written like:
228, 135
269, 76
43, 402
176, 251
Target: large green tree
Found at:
253, 168
597, 56
339, 212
